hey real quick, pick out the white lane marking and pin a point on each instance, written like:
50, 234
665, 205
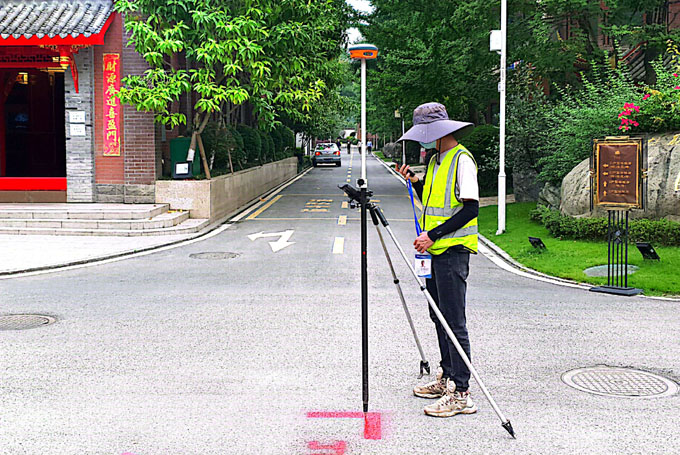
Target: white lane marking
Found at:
339, 245
279, 244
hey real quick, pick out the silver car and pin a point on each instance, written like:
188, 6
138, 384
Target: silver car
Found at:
326, 153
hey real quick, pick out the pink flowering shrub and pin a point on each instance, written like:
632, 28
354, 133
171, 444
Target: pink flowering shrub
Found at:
660, 104
627, 116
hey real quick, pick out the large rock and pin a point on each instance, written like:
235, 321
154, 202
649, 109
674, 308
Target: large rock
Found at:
549, 196
524, 184
663, 196
575, 192
392, 150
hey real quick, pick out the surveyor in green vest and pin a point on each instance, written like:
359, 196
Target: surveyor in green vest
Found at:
450, 199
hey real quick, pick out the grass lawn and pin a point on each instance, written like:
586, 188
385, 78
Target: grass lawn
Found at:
380, 155
568, 258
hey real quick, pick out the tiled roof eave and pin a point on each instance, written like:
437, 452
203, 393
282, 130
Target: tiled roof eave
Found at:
28, 22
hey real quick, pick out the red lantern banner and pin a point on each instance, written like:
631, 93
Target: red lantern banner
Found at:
111, 108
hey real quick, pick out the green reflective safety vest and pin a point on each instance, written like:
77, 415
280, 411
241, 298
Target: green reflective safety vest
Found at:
441, 202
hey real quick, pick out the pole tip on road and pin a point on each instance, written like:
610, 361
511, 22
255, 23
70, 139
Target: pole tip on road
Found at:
508, 427
365, 407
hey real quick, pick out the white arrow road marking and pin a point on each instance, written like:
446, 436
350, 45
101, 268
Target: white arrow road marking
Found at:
277, 245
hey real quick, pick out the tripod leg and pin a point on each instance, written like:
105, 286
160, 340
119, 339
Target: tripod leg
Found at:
505, 422
424, 364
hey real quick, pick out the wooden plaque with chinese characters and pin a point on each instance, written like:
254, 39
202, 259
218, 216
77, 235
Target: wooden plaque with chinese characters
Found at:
111, 108
618, 173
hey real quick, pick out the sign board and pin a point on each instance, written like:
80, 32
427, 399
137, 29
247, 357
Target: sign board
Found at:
76, 116
111, 105
617, 163
495, 41
76, 129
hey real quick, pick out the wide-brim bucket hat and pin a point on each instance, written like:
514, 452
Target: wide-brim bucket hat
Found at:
431, 122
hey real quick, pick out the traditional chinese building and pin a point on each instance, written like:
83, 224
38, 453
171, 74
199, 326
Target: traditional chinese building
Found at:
63, 137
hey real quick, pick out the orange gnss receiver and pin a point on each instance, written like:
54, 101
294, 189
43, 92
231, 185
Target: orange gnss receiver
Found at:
363, 51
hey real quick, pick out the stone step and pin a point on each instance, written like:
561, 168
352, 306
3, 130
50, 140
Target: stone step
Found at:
164, 220
75, 211
189, 226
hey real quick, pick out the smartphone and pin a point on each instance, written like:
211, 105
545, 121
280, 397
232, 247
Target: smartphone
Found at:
410, 172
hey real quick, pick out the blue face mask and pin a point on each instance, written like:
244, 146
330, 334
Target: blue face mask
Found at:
428, 145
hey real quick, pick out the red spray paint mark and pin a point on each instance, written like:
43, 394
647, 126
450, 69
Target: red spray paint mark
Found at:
337, 448
372, 420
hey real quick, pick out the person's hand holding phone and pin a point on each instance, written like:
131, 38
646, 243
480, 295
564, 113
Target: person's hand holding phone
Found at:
406, 172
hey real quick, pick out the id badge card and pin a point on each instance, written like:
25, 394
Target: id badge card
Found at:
423, 265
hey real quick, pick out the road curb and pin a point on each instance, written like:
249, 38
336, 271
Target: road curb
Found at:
517, 268
232, 217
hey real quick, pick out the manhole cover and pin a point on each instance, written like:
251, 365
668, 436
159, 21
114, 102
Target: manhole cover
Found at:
24, 321
214, 255
601, 270
619, 382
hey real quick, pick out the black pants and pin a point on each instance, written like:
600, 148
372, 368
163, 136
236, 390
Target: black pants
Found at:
447, 287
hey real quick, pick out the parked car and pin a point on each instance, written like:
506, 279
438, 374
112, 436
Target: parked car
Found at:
326, 153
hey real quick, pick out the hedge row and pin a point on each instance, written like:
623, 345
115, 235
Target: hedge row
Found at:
249, 146
657, 232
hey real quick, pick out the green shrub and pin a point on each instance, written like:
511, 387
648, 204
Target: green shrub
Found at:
527, 120
270, 145
483, 144
238, 153
266, 152
277, 139
580, 116
661, 232
252, 144
218, 140
288, 142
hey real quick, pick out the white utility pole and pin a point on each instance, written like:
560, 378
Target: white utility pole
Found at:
501, 161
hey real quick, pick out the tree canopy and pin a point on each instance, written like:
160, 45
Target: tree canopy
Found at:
438, 50
277, 55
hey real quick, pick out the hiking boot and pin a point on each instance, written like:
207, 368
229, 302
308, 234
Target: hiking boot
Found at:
434, 389
452, 403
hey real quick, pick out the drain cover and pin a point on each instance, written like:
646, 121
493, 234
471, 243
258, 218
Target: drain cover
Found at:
619, 382
601, 270
24, 321
214, 255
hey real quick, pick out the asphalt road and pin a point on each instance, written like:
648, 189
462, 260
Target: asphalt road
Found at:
166, 354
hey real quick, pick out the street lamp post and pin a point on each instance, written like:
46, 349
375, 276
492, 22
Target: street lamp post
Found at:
364, 52
398, 114
498, 42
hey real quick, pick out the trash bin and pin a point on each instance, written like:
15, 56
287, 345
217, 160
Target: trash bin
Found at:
179, 147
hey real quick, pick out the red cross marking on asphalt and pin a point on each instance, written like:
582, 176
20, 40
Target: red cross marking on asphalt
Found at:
372, 420
337, 448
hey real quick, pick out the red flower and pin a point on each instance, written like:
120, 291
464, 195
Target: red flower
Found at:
646, 96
